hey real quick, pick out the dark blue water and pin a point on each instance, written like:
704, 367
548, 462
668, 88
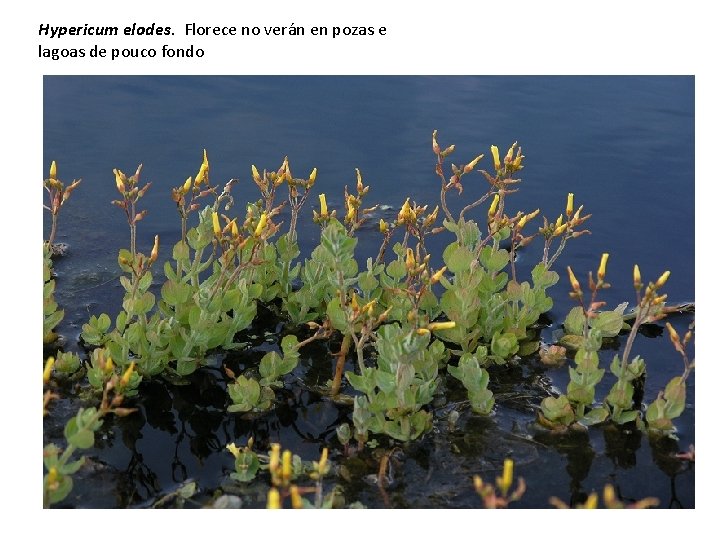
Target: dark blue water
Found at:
623, 145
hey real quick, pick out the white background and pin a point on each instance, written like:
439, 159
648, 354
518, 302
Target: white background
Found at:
439, 37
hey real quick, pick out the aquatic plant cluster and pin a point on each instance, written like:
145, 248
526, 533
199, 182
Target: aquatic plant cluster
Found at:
403, 322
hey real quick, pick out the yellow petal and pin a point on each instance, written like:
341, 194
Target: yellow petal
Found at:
48, 369
273, 499
603, 264
261, 224
569, 208
496, 157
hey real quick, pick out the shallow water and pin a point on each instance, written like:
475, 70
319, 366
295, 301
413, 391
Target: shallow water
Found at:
623, 145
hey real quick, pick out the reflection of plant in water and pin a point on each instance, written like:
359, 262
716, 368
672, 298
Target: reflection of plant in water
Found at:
499, 494
610, 500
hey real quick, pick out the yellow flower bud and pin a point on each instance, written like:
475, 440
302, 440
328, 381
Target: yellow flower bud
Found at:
569, 208
128, 373
53, 171
287, 464
470, 166
273, 499
509, 155
323, 461
573, 280
383, 226
154, 252
527, 217
409, 259
261, 224
493, 206
234, 228
295, 498
216, 224
323, 205
422, 331
354, 303
445, 325
592, 501
187, 185
205, 159
662, 279
673, 334
560, 230
437, 275
311, 178
637, 280
496, 157
609, 496
48, 368
559, 221
350, 214
255, 174
404, 216
478, 483
601, 268
52, 477
505, 482
517, 162
359, 185
234, 450
202, 174
119, 180
274, 457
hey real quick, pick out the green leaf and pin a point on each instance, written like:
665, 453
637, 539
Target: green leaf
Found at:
367, 282
79, 437
396, 269
125, 257
450, 225
181, 252
625, 416
575, 321
185, 366
245, 394
504, 345
494, 261
270, 367
572, 341
246, 466
175, 293
514, 291
595, 416
145, 281
528, 347
543, 278
60, 491
609, 323
385, 381
675, 397
459, 260
557, 410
